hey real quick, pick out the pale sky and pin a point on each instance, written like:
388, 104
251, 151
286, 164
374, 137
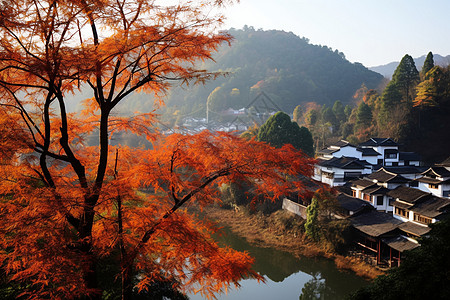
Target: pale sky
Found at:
372, 32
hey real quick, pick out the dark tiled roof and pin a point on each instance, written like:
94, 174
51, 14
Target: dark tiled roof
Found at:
376, 190
384, 176
432, 207
350, 203
375, 223
374, 142
405, 169
345, 163
415, 229
400, 243
439, 171
327, 151
342, 143
407, 194
445, 163
429, 180
401, 204
410, 156
368, 152
362, 183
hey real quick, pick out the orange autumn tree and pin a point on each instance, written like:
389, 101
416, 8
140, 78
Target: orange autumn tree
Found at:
67, 208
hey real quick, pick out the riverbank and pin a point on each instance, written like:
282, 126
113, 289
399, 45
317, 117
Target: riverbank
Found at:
279, 230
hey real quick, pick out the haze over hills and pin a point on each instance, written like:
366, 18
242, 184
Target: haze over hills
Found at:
286, 67
388, 69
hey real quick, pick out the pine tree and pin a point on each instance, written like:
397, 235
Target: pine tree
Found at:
428, 64
364, 115
406, 77
338, 110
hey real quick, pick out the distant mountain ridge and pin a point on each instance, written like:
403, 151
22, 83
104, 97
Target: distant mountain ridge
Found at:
388, 69
286, 67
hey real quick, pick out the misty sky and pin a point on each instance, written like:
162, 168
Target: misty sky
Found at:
372, 32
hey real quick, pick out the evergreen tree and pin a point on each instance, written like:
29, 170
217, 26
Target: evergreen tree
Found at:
312, 117
298, 113
348, 111
428, 64
329, 117
339, 112
391, 96
279, 130
306, 140
406, 77
312, 228
364, 115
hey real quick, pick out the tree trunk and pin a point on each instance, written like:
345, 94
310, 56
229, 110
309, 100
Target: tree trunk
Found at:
127, 283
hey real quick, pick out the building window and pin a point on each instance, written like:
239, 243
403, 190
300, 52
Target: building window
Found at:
390, 153
354, 193
367, 197
422, 219
401, 212
433, 186
380, 200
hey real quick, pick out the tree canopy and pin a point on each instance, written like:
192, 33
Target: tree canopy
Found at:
428, 64
67, 207
279, 130
406, 77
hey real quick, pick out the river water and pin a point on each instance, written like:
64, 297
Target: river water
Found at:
288, 277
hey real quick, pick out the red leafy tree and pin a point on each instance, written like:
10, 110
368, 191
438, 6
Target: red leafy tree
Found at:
66, 207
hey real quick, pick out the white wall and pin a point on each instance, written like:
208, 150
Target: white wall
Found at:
347, 151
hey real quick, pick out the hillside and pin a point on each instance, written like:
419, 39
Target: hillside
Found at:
388, 69
289, 69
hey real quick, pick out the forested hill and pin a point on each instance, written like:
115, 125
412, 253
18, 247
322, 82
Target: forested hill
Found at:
286, 67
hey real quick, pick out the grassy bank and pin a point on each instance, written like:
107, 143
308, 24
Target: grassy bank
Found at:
281, 230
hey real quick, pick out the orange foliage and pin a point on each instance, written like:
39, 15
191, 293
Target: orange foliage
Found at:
65, 206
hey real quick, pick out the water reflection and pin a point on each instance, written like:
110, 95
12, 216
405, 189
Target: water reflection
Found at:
288, 277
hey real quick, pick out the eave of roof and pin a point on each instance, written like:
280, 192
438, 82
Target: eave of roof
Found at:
351, 203
400, 243
437, 171
368, 152
375, 223
415, 229
364, 183
383, 175
402, 205
376, 190
379, 142
429, 180
432, 207
407, 194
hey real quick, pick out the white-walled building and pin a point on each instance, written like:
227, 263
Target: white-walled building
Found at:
419, 207
435, 180
337, 171
387, 148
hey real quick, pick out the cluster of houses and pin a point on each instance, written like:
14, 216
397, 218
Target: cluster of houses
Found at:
389, 197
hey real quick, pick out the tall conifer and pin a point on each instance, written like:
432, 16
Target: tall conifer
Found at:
428, 64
